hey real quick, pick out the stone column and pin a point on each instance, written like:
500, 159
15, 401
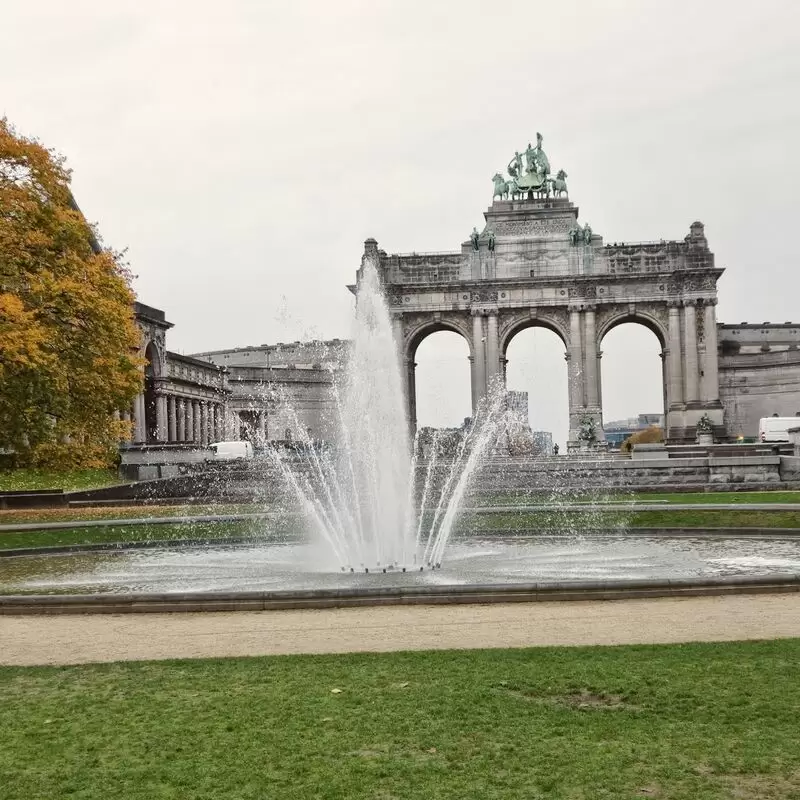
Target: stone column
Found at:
173, 419
575, 372
478, 360
212, 422
219, 422
674, 361
411, 380
190, 437
590, 353
262, 428
196, 422
690, 362
710, 362
139, 427
399, 343
180, 412
492, 351
161, 417
203, 422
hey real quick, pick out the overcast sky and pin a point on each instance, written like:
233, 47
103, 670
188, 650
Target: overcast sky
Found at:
242, 151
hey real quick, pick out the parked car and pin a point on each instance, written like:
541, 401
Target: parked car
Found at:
230, 451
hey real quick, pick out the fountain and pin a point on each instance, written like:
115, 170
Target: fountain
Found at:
382, 518
361, 495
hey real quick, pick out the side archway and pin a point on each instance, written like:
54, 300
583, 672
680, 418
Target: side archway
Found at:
438, 375
153, 369
633, 380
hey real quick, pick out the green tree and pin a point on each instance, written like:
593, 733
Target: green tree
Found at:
68, 341
651, 435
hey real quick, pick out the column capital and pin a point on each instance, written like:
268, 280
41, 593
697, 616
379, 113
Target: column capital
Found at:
674, 304
690, 302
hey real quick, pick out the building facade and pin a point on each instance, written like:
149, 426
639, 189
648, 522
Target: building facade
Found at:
532, 265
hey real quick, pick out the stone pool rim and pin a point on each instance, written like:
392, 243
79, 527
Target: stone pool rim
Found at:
481, 594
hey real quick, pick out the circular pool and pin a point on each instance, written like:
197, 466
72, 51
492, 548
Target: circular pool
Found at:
253, 565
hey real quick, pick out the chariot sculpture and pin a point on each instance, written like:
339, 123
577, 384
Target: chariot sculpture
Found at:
529, 174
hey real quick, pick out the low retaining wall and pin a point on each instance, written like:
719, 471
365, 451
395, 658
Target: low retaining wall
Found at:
428, 595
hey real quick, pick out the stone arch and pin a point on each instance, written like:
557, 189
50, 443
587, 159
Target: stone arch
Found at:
413, 339
656, 326
645, 318
512, 328
418, 334
153, 354
524, 360
153, 369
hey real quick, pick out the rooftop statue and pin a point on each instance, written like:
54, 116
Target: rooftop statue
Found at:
559, 183
474, 238
501, 187
532, 176
542, 162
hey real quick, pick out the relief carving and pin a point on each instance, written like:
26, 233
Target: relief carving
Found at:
534, 227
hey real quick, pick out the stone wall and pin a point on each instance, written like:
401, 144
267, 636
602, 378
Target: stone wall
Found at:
759, 374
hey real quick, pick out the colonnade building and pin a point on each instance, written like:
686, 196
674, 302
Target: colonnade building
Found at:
255, 393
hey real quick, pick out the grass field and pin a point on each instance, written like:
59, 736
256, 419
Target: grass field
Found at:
26, 479
501, 523
574, 520
517, 498
689, 722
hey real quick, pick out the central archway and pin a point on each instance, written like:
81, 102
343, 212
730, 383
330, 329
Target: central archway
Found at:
534, 365
633, 378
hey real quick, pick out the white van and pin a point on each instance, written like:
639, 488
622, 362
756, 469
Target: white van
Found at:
776, 429
230, 451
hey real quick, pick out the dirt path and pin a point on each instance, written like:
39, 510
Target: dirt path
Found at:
82, 639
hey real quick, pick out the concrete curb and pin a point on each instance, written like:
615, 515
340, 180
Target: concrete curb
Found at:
412, 595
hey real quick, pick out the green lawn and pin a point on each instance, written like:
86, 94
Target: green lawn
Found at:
557, 521
124, 512
717, 497
502, 523
139, 533
22, 479
687, 722
524, 498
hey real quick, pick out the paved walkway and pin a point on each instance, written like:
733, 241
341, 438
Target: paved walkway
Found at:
131, 637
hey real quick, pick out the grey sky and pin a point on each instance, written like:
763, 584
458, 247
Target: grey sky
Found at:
243, 151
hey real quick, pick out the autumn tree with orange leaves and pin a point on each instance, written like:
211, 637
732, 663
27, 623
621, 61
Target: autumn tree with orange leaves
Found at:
68, 341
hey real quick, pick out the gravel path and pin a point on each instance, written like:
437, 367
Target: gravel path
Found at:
97, 638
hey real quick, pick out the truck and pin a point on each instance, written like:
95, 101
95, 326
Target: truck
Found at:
230, 451
776, 429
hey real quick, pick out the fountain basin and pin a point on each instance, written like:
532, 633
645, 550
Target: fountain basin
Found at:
253, 575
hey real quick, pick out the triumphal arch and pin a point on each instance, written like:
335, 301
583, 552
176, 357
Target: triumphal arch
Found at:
534, 264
